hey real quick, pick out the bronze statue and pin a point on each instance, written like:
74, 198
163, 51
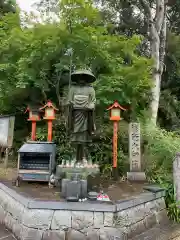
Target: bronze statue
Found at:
81, 107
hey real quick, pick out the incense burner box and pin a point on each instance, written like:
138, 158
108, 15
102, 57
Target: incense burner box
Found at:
36, 161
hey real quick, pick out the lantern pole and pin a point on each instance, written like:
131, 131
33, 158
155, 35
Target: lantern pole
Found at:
49, 130
33, 132
115, 140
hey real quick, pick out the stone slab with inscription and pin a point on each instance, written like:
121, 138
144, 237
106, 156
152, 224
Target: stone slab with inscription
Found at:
176, 176
135, 173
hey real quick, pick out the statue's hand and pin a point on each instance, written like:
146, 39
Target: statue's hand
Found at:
91, 106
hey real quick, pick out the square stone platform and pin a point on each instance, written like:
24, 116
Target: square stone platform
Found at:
31, 219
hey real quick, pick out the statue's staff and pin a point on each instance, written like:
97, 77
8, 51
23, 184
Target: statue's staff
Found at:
70, 54
69, 115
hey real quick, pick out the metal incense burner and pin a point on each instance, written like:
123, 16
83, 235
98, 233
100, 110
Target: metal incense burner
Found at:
36, 161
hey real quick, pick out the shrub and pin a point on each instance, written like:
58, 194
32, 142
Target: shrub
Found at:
161, 147
159, 154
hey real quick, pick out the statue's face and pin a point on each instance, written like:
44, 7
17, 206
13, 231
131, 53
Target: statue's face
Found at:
81, 81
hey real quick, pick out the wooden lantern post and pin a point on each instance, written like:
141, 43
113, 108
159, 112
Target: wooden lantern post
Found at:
115, 116
49, 116
33, 117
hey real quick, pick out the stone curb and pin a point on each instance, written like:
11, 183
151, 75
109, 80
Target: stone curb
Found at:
74, 206
21, 199
153, 194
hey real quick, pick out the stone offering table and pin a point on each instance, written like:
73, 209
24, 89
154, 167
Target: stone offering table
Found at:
31, 219
70, 171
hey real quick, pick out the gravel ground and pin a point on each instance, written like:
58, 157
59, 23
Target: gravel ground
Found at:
6, 234
169, 232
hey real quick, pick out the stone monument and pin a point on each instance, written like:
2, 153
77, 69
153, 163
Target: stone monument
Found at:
135, 173
176, 176
80, 127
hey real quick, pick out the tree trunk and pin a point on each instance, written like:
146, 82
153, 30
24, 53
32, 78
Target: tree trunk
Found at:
156, 76
157, 34
155, 91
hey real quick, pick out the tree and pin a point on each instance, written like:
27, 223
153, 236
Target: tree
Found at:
169, 109
149, 19
173, 16
157, 38
7, 6
49, 9
36, 57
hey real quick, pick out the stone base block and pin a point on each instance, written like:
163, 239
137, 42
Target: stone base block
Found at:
136, 176
74, 190
54, 235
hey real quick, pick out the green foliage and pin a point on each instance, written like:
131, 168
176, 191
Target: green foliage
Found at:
101, 150
161, 147
41, 133
165, 181
129, 79
64, 148
7, 6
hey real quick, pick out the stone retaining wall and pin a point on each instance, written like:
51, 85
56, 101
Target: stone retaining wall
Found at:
47, 220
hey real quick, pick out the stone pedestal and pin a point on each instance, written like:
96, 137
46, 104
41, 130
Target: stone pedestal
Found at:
136, 173
75, 180
176, 176
73, 190
136, 176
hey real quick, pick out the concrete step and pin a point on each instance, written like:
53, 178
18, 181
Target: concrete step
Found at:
166, 232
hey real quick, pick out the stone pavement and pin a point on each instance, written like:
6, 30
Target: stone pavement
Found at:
6, 234
169, 232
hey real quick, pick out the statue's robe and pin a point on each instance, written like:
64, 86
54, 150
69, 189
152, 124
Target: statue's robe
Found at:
81, 102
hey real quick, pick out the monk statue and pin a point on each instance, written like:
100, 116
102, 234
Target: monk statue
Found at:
81, 107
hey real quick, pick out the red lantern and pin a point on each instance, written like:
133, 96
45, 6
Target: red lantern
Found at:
115, 111
34, 116
50, 111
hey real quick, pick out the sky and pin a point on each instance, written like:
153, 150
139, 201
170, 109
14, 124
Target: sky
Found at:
25, 5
